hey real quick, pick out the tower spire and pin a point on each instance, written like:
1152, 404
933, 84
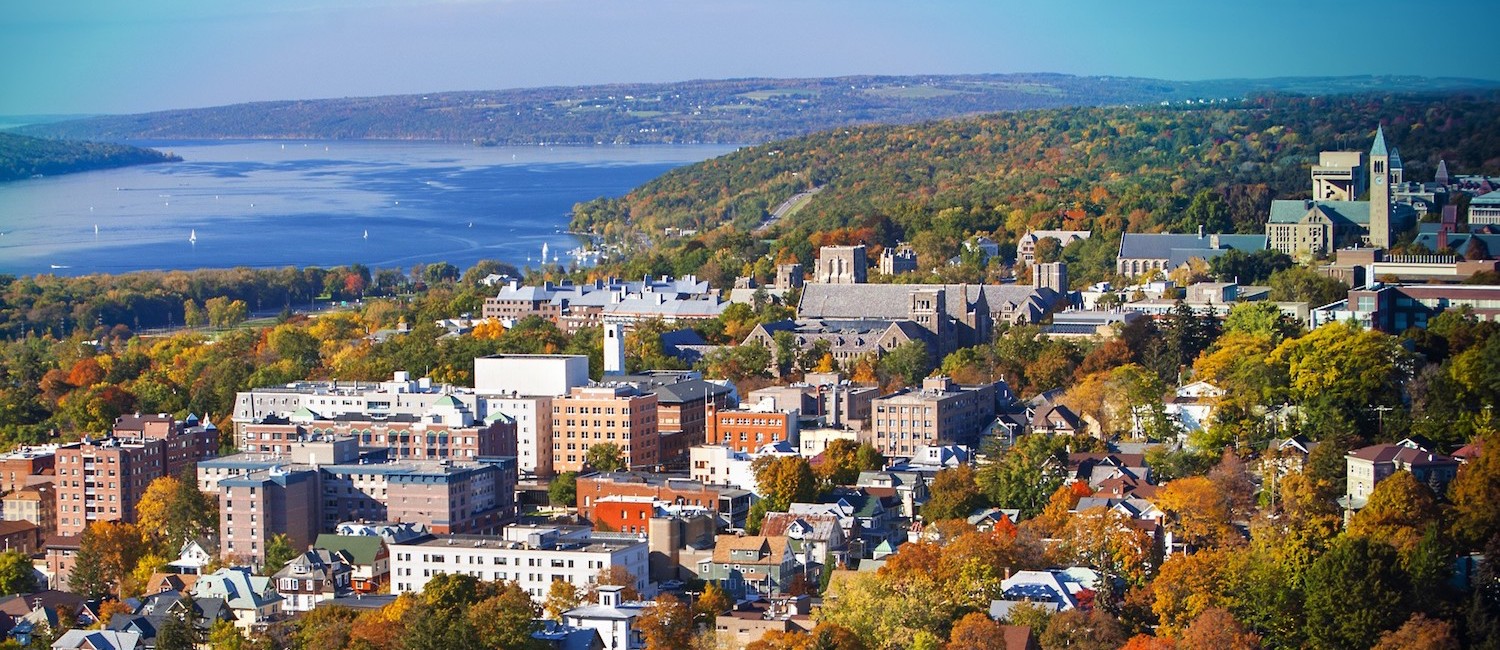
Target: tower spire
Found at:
1379, 148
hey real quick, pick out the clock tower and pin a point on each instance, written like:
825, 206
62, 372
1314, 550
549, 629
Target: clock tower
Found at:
1380, 191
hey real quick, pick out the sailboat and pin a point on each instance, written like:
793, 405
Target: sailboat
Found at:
193, 236
96, 230
544, 252
367, 234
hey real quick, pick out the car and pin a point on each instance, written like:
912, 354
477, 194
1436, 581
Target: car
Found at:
671, 585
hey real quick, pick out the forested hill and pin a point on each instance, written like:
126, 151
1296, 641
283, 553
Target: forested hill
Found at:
1109, 169
24, 157
719, 111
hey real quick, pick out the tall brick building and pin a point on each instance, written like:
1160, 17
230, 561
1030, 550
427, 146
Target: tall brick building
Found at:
589, 415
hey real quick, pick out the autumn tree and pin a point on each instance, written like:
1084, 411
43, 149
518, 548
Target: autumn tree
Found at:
1216, 629
107, 551
1420, 633
954, 494
668, 625
1475, 494
783, 480
506, 620
1198, 511
1091, 630
618, 576
1186, 585
976, 631
1108, 541
173, 511
1397, 512
561, 597
711, 603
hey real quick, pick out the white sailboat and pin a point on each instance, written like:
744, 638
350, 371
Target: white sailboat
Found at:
367, 234
544, 252
193, 236
96, 230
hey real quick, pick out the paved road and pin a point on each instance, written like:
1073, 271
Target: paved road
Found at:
785, 207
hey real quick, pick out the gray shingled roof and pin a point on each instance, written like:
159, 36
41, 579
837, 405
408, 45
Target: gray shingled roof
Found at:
1153, 246
890, 301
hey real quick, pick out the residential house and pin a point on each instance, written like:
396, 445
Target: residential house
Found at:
367, 556
750, 620
754, 564
313, 577
909, 489
97, 640
252, 598
612, 617
556, 636
193, 557
1370, 465
819, 537
863, 516
154, 610
1192, 405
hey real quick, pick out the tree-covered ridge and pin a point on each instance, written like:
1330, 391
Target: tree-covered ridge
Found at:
722, 111
24, 157
1109, 169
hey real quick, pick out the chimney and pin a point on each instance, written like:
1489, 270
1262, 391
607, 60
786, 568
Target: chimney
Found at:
1442, 239
1213, 242
1200, 231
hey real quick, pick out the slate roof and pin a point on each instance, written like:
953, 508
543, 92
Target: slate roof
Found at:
812, 527
1339, 212
1461, 242
1398, 454
889, 301
97, 640
687, 391
238, 587
1492, 198
1178, 248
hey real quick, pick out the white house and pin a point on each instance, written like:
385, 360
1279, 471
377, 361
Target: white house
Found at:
613, 618
1193, 405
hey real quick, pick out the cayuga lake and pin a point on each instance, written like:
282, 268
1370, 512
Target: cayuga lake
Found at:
268, 203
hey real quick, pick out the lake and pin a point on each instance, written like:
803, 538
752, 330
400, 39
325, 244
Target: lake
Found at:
270, 203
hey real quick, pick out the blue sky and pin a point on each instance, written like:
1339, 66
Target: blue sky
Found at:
76, 56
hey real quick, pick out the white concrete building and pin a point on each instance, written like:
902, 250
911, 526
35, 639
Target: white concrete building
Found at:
535, 563
530, 374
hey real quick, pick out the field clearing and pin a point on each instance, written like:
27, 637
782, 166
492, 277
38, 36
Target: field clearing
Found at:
760, 95
912, 92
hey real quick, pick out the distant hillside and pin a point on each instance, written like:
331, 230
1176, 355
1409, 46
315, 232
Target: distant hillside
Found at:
24, 157
719, 111
1109, 169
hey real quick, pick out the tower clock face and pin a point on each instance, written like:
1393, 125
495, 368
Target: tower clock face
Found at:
1379, 180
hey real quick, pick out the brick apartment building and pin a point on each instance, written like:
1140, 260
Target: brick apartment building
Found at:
588, 415
940, 412
103, 479
261, 496
747, 430
26, 465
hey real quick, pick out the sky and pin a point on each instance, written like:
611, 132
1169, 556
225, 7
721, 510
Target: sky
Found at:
97, 56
